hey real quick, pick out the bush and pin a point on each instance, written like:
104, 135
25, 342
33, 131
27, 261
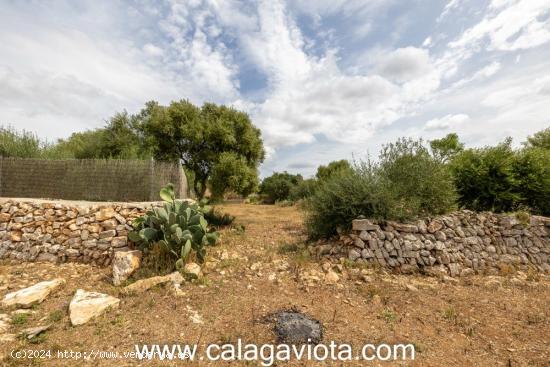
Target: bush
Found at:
277, 187
406, 183
303, 189
485, 180
531, 170
179, 228
21, 144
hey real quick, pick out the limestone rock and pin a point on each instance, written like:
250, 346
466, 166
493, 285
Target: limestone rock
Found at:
124, 264
34, 331
143, 285
86, 305
331, 277
363, 225
192, 270
104, 214
35, 294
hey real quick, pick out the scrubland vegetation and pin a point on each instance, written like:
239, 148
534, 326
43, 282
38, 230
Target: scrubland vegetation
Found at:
221, 150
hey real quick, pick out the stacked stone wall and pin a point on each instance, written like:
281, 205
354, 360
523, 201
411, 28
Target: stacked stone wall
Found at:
458, 244
61, 231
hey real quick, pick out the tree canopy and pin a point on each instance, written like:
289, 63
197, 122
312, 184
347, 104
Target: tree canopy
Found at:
334, 167
208, 140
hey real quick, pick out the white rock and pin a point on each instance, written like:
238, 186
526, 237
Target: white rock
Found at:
34, 331
143, 285
35, 294
331, 277
86, 305
124, 264
193, 269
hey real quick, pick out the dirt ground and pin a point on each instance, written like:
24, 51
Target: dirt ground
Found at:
259, 268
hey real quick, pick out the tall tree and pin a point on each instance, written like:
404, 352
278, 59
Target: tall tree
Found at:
446, 148
335, 167
540, 139
201, 137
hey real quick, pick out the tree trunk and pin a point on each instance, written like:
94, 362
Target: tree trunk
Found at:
200, 187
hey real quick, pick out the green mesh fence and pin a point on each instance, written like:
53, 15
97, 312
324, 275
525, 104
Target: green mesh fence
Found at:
89, 179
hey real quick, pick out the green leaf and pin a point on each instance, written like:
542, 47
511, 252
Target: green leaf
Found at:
148, 234
212, 238
167, 193
179, 264
203, 223
134, 236
201, 255
185, 250
138, 221
162, 214
171, 218
179, 233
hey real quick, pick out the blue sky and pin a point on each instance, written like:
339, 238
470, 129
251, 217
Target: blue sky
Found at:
323, 80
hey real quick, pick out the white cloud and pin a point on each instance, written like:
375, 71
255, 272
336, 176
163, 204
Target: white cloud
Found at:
405, 64
447, 122
508, 26
449, 7
70, 67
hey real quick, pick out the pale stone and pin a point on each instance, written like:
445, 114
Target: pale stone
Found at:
86, 305
193, 270
434, 226
34, 331
35, 294
331, 277
143, 285
363, 225
104, 214
124, 264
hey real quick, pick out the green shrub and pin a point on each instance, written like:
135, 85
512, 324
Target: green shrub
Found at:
178, 227
21, 144
333, 168
531, 170
485, 179
303, 189
216, 218
277, 187
417, 183
406, 183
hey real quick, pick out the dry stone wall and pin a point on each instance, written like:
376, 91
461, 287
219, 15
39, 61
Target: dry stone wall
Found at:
457, 244
62, 231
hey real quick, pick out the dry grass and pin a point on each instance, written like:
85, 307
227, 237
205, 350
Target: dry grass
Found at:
451, 325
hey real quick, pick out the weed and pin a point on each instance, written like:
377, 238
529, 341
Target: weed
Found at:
229, 263
287, 248
389, 315
204, 281
20, 319
55, 316
523, 217
450, 314
118, 320
38, 339
300, 258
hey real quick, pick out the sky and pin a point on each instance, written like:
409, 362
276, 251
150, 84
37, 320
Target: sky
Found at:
323, 80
